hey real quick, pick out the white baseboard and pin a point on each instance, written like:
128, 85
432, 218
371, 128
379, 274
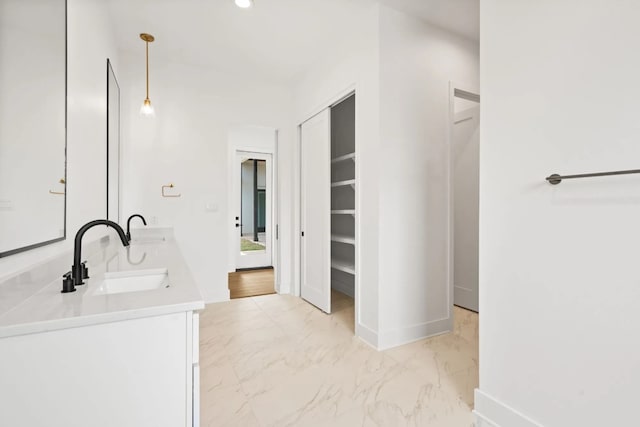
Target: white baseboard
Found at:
285, 288
367, 335
395, 337
490, 412
480, 421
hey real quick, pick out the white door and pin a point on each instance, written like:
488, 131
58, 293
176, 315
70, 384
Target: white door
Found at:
316, 211
253, 189
466, 168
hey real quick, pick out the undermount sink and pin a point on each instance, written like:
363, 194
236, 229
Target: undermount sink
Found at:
133, 281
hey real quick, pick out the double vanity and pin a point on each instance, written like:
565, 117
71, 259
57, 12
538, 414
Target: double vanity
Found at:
121, 350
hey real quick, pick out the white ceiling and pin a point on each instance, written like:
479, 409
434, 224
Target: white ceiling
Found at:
275, 40
459, 16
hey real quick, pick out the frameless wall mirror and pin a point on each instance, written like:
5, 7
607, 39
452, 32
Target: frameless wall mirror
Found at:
113, 145
32, 124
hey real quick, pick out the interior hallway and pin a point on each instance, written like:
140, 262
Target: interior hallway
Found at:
278, 361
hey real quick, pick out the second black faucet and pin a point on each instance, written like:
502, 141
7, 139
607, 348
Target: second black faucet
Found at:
144, 221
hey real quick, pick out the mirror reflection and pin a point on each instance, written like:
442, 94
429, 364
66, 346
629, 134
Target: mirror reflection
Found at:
32, 123
113, 145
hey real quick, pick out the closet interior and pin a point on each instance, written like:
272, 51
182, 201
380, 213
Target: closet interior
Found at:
343, 197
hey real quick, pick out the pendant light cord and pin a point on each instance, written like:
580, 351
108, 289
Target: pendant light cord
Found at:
147, 44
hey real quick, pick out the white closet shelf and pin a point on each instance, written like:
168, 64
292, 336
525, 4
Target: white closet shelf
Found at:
350, 240
343, 212
343, 266
351, 182
350, 156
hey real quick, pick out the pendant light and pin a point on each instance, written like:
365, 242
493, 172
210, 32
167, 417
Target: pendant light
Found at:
147, 108
244, 4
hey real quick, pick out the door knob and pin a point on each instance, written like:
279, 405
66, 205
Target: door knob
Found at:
238, 225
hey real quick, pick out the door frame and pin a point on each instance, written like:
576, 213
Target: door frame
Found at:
233, 150
471, 93
297, 262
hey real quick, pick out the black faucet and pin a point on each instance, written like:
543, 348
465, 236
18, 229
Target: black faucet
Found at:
79, 270
144, 221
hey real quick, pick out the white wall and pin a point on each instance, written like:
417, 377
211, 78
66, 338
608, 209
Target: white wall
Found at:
187, 144
559, 279
87, 123
330, 79
417, 63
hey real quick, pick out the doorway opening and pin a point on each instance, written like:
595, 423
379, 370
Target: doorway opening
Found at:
251, 283
465, 196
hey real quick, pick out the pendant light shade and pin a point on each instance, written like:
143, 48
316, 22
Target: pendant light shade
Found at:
147, 109
244, 4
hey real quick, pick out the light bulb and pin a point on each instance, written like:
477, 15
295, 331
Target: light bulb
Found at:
147, 108
245, 4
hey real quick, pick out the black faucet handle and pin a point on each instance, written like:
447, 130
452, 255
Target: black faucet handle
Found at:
85, 270
68, 284
78, 273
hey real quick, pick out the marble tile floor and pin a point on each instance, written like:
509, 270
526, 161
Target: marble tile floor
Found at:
276, 360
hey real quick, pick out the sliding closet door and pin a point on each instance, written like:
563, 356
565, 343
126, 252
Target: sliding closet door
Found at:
316, 211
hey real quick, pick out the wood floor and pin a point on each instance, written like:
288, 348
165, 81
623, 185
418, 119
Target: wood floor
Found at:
252, 283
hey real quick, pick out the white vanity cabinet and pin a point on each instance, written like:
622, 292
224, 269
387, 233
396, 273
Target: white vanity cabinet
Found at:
138, 372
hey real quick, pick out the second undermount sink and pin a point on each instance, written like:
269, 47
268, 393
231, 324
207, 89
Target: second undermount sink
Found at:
133, 281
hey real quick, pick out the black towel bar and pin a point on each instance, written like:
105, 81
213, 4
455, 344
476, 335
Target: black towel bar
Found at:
556, 179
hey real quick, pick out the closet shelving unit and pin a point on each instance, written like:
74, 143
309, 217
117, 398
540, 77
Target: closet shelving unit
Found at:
349, 240
343, 266
346, 182
343, 197
351, 212
348, 156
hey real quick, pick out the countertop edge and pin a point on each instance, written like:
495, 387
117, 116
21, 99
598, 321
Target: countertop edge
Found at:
97, 319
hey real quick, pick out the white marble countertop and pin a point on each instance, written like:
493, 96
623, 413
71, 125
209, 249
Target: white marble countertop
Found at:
33, 302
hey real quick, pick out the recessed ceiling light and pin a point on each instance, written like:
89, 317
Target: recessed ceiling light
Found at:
245, 4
